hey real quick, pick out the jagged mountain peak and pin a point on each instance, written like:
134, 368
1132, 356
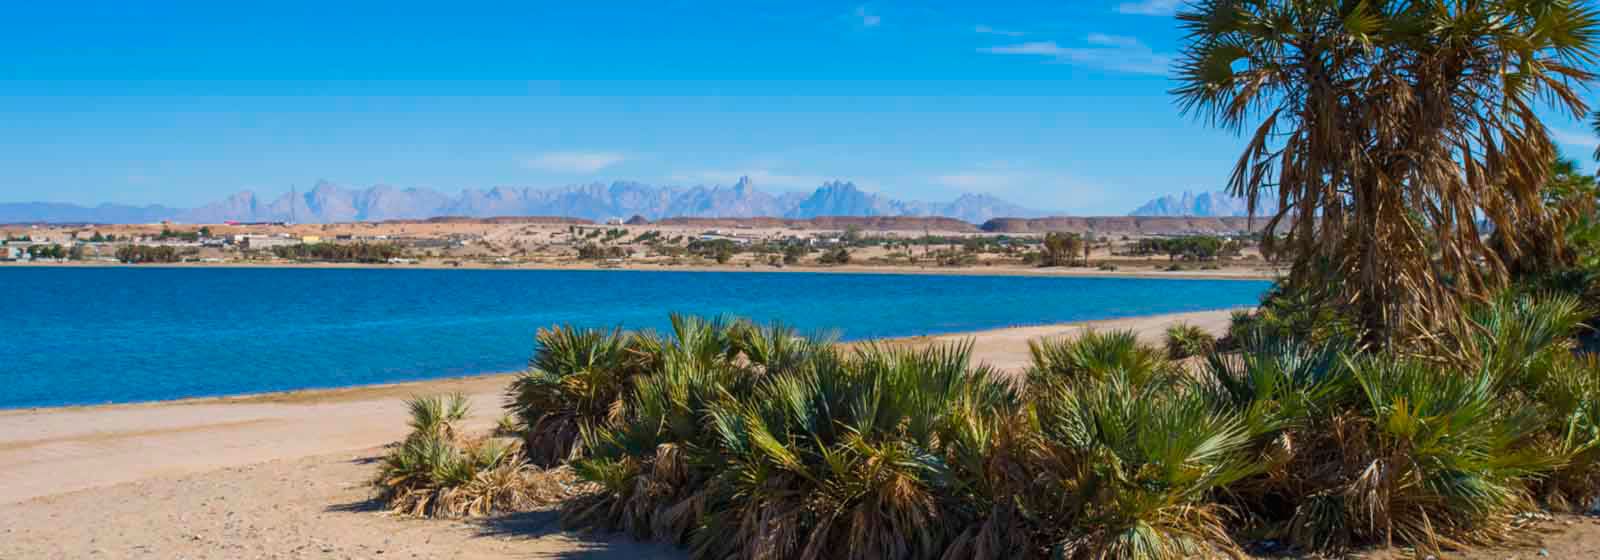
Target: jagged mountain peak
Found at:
329, 202
1202, 204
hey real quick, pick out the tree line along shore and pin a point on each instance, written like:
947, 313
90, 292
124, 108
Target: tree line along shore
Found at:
479, 244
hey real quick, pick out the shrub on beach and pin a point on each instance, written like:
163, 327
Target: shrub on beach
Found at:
437, 471
1106, 449
1185, 340
574, 381
741, 441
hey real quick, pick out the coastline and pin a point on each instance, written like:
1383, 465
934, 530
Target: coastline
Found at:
53, 451
278, 475
1228, 273
474, 383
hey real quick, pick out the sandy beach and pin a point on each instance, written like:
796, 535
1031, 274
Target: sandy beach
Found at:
281, 475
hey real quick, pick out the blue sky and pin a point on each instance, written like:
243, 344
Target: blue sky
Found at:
1059, 105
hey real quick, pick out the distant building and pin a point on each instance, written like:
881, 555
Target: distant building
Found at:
311, 239
711, 237
257, 242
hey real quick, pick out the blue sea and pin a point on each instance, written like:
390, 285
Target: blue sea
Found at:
71, 336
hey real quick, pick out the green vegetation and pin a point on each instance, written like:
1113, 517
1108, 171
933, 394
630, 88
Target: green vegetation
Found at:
1185, 340
793, 252
135, 254
1191, 247
572, 382
1063, 249
740, 441
835, 256
1399, 126
437, 472
720, 250
168, 234
340, 252
595, 252
52, 251
647, 238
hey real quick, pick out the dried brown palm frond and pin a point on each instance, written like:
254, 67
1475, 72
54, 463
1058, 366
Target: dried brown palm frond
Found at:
1391, 132
430, 476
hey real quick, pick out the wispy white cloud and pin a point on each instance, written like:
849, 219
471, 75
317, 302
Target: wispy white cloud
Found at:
1045, 48
867, 18
1150, 7
1099, 50
1575, 139
573, 162
987, 30
1118, 41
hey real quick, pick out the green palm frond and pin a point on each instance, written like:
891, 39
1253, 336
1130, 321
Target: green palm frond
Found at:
1097, 355
437, 415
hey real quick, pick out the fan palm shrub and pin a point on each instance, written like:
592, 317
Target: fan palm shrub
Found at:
1516, 337
1185, 340
742, 441
435, 471
1129, 474
653, 465
1294, 398
1568, 399
1524, 341
1095, 354
1442, 462
863, 458
838, 455
437, 415
777, 347
574, 382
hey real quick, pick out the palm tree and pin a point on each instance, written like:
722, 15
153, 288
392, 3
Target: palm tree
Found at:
1388, 129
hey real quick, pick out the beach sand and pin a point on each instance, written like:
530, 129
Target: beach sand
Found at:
283, 475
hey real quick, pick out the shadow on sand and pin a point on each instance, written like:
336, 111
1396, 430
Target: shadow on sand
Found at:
546, 525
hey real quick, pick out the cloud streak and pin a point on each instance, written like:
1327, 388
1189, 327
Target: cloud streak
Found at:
987, 30
573, 162
1574, 139
1149, 7
867, 19
1109, 52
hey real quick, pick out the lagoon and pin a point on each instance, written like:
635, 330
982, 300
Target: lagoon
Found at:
82, 335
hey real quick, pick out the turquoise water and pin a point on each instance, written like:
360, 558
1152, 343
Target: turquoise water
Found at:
96, 335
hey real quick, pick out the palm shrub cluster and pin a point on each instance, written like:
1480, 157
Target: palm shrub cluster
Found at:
1185, 340
738, 441
437, 471
1434, 452
573, 382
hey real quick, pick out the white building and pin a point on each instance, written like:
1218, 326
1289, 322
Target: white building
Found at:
254, 242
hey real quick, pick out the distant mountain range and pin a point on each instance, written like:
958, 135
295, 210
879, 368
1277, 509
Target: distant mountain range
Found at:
1216, 204
327, 202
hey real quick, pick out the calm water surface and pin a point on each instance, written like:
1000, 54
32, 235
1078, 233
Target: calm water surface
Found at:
96, 335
